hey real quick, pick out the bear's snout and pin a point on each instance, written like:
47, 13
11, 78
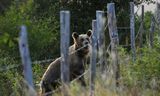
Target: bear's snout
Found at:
86, 43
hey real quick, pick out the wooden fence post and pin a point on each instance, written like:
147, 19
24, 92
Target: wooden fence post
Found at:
142, 28
101, 39
64, 46
25, 56
132, 29
152, 28
114, 41
93, 58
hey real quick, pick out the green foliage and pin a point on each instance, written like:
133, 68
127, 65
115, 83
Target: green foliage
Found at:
43, 35
38, 71
43, 32
4, 4
8, 76
145, 69
44, 38
10, 23
147, 19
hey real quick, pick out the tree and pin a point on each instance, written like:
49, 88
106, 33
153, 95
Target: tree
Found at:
4, 4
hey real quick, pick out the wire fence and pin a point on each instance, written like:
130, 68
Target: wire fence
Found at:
87, 71
50, 60
9, 67
5, 68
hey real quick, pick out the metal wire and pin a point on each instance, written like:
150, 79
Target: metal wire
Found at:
137, 10
3, 68
51, 92
139, 31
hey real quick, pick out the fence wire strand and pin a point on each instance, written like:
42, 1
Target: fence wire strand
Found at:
137, 10
37, 62
140, 29
4, 68
54, 91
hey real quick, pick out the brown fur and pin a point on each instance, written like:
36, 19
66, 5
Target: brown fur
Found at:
51, 78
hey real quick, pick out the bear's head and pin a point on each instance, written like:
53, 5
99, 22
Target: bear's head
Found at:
82, 42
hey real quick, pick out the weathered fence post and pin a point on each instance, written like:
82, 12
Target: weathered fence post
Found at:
142, 28
152, 28
25, 56
114, 40
157, 18
65, 38
100, 38
132, 29
93, 58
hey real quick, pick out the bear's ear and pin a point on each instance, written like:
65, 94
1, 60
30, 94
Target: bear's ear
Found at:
75, 35
89, 33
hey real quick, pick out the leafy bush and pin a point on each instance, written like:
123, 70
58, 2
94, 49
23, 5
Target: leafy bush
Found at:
145, 69
8, 74
43, 32
43, 36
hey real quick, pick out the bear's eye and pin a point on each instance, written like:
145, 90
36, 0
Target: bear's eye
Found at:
82, 39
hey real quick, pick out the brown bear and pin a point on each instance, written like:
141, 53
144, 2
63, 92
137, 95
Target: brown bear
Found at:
78, 54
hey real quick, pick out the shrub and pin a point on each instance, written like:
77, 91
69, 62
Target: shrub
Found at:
43, 39
42, 32
145, 69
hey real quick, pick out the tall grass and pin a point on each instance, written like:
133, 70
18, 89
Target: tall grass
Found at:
138, 79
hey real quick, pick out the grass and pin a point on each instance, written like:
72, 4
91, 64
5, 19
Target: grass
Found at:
139, 79
104, 86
